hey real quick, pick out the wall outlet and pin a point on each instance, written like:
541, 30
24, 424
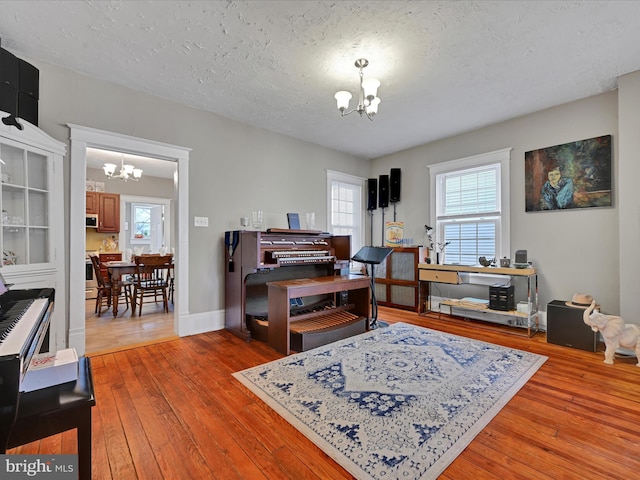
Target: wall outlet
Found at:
200, 221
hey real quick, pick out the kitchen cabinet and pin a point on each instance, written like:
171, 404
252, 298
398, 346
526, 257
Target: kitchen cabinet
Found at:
92, 203
107, 207
108, 213
32, 204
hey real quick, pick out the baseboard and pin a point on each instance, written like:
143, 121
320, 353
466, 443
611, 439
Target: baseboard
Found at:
194, 323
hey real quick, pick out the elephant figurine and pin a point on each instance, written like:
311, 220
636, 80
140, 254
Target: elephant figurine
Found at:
614, 331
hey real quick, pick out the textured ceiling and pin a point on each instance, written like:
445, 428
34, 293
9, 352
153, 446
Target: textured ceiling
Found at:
446, 67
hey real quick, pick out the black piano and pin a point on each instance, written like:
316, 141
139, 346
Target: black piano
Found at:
24, 331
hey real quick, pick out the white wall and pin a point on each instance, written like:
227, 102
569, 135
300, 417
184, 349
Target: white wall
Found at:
629, 196
573, 250
233, 168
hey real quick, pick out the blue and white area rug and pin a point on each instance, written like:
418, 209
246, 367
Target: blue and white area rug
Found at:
393, 403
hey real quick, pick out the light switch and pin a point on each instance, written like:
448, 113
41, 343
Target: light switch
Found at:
201, 221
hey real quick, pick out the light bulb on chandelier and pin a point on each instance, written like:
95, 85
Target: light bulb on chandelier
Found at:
127, 172
368, 100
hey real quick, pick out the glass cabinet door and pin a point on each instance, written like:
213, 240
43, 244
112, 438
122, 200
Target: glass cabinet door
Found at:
25, 205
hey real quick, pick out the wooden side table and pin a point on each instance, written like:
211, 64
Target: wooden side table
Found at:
58, 408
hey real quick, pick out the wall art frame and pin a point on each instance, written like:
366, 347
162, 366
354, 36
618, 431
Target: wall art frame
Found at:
568, 176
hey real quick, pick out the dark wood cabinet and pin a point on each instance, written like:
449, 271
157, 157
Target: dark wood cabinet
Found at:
107, 207
397, 278
109, 213
92, 202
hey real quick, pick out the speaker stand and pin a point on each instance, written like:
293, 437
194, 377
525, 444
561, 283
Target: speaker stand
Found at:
371, 227
382, 241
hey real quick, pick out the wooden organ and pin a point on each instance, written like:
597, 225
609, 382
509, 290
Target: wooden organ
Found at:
308, 307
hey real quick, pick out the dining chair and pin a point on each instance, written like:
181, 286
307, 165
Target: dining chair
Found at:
151, 279
105, 290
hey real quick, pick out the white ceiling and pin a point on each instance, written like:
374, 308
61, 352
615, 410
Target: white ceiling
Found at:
446, 67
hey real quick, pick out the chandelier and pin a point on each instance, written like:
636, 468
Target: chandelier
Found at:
367, 100
127, 172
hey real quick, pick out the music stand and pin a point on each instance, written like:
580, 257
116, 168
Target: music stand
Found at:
373, 256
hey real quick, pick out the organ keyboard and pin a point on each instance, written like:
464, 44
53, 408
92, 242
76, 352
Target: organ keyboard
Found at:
299, 256
258, 258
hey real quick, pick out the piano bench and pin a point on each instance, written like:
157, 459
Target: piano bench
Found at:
56, 409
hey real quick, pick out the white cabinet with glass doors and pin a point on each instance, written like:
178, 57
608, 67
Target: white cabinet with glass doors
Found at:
32, 202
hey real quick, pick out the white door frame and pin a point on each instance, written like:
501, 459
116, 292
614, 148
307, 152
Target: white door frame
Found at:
82, 137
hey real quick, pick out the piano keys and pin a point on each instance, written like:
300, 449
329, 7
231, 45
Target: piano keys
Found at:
24, 327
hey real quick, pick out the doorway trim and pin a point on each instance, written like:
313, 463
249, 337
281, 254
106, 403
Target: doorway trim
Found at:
82, 137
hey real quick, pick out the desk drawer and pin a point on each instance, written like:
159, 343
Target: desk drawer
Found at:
439, 276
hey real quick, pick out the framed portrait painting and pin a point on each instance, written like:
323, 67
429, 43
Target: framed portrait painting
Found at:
571, 175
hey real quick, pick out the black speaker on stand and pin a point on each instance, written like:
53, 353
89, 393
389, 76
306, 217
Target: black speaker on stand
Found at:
372, 202
383, 198
394, 189
373, 256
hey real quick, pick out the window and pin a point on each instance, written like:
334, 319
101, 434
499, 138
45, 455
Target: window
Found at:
141, 216
344, 198
470, 206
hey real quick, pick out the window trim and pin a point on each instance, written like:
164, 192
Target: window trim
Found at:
503, 157
335, 176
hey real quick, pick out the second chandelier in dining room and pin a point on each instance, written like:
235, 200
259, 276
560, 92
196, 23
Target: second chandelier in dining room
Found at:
127, 172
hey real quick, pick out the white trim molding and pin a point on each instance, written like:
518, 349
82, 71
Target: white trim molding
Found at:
503, 157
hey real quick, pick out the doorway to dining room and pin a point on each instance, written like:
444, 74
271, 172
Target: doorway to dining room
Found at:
145, 228
83, 139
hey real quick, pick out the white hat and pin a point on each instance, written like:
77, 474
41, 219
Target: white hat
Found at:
580, 300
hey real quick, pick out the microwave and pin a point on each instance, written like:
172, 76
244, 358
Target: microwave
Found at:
91, 221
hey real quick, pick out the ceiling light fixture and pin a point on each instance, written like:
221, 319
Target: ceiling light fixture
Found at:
367, 98
127, 172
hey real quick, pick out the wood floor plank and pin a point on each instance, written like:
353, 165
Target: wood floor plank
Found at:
115, 441
209, 441
163, 429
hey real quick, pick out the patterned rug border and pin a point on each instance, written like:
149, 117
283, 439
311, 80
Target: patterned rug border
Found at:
441, 463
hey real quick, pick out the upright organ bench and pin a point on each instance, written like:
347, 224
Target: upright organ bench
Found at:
320, 327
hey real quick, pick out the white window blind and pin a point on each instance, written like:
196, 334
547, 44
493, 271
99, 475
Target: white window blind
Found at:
471, 192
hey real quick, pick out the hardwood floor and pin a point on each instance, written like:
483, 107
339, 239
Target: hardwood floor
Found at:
107, 334
173, 410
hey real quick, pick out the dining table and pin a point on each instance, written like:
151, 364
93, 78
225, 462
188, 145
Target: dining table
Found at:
116, 270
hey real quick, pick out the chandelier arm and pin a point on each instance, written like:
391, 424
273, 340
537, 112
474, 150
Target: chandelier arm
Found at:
344, 114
